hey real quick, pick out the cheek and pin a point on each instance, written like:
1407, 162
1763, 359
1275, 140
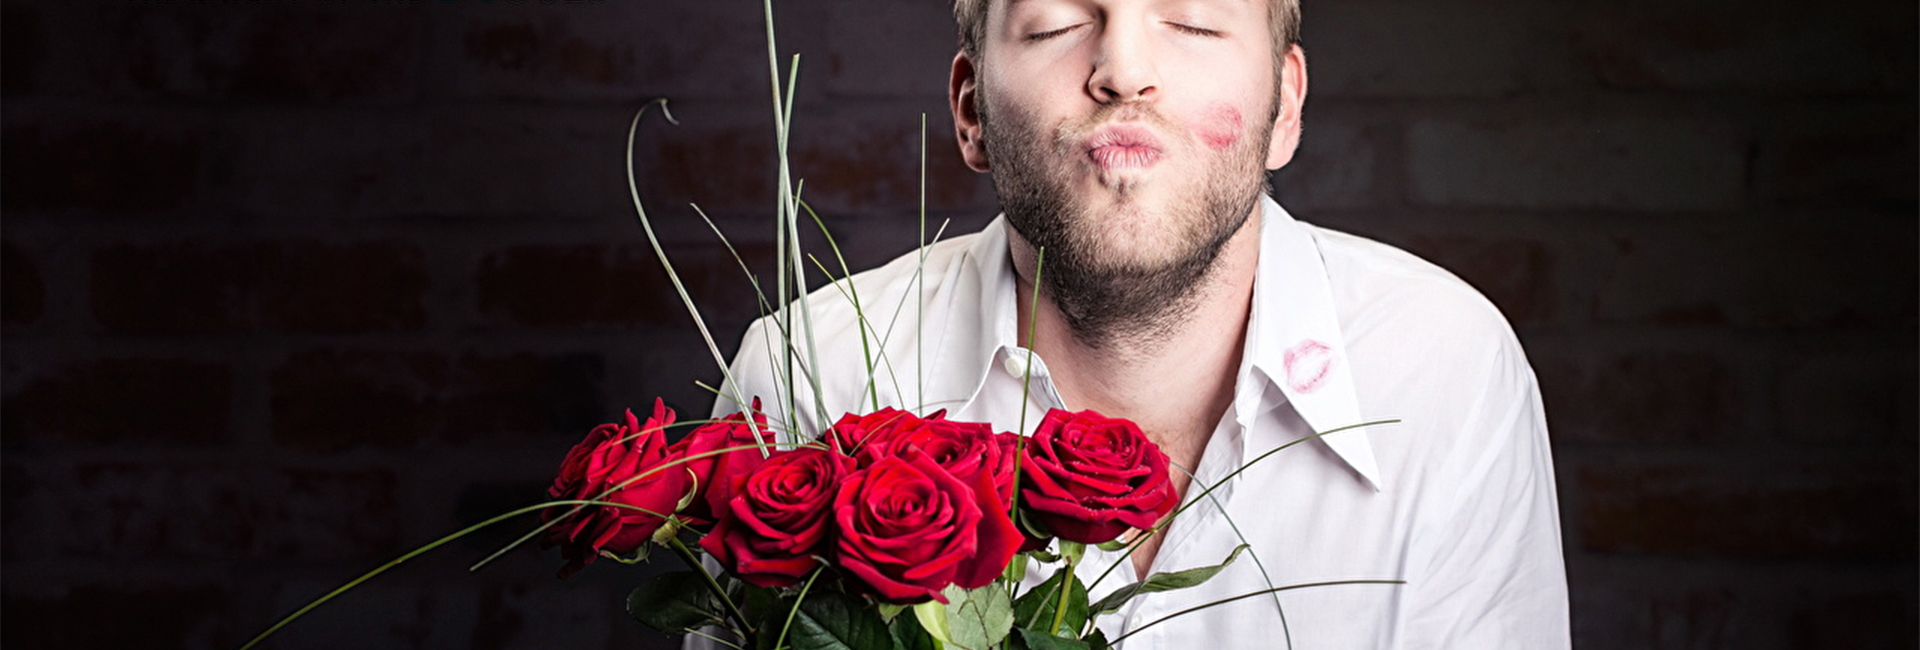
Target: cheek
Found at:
1220, 126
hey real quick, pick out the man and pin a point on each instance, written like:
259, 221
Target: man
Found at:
1128, 141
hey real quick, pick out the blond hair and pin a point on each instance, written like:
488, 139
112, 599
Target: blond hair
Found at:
1283, 26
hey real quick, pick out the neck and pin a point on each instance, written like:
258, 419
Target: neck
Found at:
1175, 383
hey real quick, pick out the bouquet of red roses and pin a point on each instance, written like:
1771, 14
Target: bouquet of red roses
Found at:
824, 543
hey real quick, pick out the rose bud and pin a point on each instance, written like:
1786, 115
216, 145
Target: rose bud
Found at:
771, 532
624, 464
1088, 478
711, 473
907, 529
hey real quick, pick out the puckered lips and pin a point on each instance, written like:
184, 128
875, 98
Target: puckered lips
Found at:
1120, 147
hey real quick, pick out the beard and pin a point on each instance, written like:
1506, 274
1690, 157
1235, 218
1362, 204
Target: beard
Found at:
1111, 288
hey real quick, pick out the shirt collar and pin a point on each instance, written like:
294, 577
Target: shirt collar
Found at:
1294, 342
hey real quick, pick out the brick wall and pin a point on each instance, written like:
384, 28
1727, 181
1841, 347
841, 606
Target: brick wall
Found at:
293, 287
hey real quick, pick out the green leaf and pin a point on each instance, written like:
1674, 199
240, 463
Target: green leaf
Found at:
671, 602
978, 619
1098, 640
1035, 609
909, 635
832, 621
1036, 640
1073, 551
1163, 582
889, 610
1111, 545
1043, 555
932, 616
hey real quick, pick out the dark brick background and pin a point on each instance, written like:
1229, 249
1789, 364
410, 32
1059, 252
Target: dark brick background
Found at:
293, 287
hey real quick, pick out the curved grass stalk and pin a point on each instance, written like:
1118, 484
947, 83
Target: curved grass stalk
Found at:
646, 224
1286, 631
578, 503
1223, 481
1223, 601
609, 492
781, 641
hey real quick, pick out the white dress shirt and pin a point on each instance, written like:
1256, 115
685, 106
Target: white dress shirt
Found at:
1457, 498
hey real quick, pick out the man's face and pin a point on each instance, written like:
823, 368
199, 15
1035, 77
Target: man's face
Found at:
1126, 136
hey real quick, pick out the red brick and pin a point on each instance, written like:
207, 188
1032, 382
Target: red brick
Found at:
1640, 164
1872, 621
24, 297
1640, 396
1338, 165
171, 616
124, 402
1744, 508
202, 511
22, 48
1677, 604
1724, 45
1516, 274
328, 400
892, 50
519, 161
1844, 395
1421, 49
853, 164
1844, 273
619, 286
576, 286
601, 50
1863, 160
300, 286
552, 614
280, 53
104, 165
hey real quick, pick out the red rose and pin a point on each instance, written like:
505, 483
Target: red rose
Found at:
620, 464
1088, 477
907, 529
852, 431
964, 449
772, 530
711, 473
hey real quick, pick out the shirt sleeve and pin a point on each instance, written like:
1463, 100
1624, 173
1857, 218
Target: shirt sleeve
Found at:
1488, 571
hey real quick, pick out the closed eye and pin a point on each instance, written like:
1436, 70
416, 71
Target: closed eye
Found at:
1041, 36
1195, 31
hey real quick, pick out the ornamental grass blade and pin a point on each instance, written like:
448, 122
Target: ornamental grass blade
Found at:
1164, 582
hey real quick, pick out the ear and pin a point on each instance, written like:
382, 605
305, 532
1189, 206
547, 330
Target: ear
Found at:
1292, 97
963, 93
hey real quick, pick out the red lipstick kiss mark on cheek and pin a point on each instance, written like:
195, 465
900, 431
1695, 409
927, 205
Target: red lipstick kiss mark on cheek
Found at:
1308, 363
1221, 127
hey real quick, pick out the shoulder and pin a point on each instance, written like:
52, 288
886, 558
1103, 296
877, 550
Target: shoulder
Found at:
1383, 293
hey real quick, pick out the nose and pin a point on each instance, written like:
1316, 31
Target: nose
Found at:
1123, 71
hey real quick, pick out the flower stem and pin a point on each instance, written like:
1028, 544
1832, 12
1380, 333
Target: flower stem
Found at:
1066, 591
733, 611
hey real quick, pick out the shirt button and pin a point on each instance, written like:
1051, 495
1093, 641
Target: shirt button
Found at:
1016, 365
